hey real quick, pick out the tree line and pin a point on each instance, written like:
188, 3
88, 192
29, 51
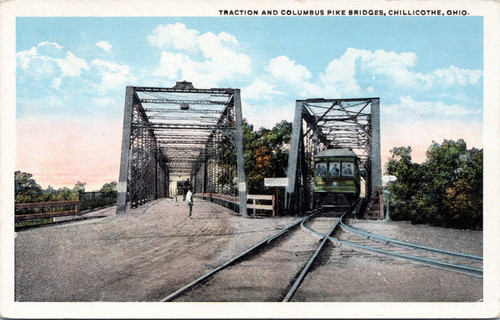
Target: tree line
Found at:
446, 190
27, 190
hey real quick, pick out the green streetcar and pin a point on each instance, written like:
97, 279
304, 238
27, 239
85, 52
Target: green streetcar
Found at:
336, 177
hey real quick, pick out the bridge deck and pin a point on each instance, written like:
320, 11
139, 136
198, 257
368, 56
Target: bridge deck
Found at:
143, 255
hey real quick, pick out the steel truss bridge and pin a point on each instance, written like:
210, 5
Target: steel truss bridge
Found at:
341, 123
181, 133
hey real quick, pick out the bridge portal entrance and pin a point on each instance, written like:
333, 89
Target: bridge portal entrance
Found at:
178, 134
319, 124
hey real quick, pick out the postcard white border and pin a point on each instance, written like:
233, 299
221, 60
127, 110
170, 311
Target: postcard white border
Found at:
488, 308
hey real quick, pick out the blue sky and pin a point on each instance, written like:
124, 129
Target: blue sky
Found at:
72, 73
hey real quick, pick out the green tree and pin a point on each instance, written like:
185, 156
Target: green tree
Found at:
49, 194
446, 190
251, 141
408, 182
463, 201
265, 154
65, 194
79, 187
109, 187
277, 138
26, 189
442, 166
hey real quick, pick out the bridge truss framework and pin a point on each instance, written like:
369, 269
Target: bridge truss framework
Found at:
339, 123
181, 132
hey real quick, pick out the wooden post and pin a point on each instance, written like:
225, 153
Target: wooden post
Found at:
276, 204
78, 204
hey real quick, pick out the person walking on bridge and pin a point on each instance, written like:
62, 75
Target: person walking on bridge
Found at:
189, 200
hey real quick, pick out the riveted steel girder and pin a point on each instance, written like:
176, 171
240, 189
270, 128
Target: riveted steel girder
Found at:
189, 111
176, 101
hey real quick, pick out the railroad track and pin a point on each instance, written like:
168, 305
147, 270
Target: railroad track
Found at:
240, 278
360, 239
272, 270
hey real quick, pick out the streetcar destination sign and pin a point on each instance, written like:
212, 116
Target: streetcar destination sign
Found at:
275, 182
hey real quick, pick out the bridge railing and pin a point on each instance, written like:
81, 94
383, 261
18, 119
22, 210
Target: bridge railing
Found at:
91, 200
42, 210
259, 202
35, 213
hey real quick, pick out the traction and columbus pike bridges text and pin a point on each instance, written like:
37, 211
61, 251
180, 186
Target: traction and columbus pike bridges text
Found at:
343, 12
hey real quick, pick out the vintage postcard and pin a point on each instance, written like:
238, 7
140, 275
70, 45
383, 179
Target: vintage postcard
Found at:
209, 159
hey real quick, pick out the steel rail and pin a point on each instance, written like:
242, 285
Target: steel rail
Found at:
477, 272
380, 238
311, 260
246, 253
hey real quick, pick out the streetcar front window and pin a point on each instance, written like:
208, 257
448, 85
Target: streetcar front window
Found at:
334, 169
321, 169
347, 169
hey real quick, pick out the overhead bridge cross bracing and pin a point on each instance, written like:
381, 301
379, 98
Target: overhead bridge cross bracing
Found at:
179, 133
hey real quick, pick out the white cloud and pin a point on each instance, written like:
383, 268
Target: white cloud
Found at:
47, 43
174, 65
267, 115
71, 65
396, 66
284, 69
260, 89
222, 55
104, 45
24, 57
453, 75
39, 66
220, 58
407, 105
174, 35
113, 74
56, 83
341, 76
393, 65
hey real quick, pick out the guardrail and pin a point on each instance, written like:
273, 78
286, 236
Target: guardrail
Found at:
92, 200
255, 198
68, 208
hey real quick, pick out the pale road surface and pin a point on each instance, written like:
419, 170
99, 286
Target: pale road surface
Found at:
153, 250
